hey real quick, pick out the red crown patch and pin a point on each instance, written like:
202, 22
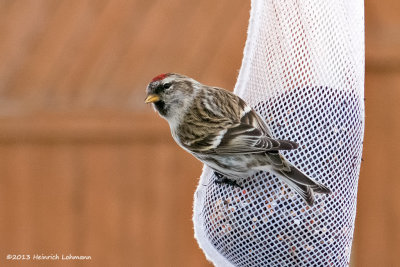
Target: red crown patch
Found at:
159, 77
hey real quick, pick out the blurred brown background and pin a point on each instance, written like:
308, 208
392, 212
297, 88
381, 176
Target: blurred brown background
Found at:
87, 169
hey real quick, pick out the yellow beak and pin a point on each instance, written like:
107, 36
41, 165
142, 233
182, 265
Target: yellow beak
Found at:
151, 99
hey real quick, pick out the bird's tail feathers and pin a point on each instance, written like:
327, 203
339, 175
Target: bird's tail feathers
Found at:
303, 190
321, 189
303, 184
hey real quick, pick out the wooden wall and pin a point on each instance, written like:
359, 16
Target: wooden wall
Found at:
377, 237
87, 169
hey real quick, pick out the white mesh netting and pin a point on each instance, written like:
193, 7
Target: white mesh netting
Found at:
303, 72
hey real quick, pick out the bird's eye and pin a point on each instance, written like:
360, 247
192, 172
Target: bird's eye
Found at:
167, 85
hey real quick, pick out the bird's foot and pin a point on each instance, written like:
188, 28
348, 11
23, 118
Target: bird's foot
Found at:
221, 179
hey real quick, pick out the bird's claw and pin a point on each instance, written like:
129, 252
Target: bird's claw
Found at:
221, 179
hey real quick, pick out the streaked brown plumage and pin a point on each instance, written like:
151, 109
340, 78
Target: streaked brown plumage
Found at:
223, 132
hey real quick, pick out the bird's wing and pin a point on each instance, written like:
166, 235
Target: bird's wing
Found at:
245, 139
250, 135
238, 138
235, 129
253, 119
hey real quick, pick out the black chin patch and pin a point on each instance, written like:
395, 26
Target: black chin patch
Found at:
161, 107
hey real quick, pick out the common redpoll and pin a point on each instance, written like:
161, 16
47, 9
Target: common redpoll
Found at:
225, 133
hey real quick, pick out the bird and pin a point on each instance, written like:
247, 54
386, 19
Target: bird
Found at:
222, 131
